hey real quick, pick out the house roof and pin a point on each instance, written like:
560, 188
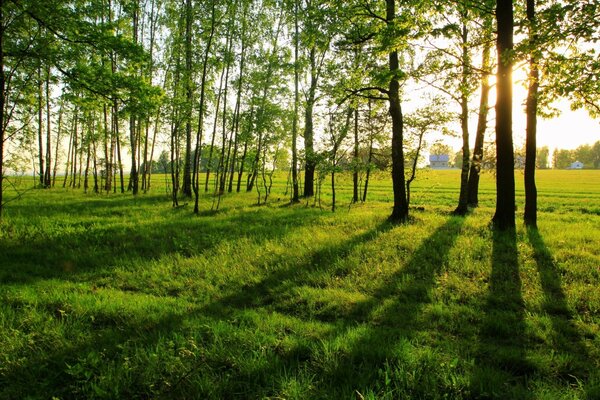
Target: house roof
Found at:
440, 157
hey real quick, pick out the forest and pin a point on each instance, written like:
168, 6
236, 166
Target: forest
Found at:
233, 199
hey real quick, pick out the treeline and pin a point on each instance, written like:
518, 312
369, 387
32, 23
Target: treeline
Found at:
232, 88
588, 155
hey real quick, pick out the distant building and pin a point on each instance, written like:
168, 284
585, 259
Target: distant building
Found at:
441, 161
576, 165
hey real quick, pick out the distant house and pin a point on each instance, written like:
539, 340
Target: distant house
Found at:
440, 161
576, 165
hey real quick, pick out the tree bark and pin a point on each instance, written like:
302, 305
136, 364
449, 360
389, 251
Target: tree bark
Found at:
400, 210
309, 150
295, 194
463, 198
40, 126
356, 160
47, 171
530, 216
477, 160
504, 217
198, 152
186, 188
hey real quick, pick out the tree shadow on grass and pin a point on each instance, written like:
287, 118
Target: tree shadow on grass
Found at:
567, 339
114, 357
501, 368
371, 331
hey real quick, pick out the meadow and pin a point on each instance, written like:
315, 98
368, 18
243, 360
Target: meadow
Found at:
109, 296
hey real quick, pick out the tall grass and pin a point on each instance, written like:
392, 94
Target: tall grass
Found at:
110, 296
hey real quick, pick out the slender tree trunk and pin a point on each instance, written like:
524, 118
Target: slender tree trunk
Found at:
370, 157
197, 155
118, 142
133, 137
187, 168
95, 166
48, 169
309, 150
74, 154
69, 151
530, 216
400, 210
242, 164
56, 146
463, 199
504, 218
214, 132
87, 164
295, 194
40, 126
476, 163
355, 198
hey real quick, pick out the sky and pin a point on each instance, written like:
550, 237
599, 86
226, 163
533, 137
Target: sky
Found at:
568, 130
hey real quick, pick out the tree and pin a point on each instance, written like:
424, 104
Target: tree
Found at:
530, 215
504, 217
542, 157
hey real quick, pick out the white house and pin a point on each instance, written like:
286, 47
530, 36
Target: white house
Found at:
441, 161
576, 165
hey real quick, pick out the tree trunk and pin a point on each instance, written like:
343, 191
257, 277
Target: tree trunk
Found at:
530, 216
463, 198
197, 155
187, 168
214, 132
356, 160
47, 171
476, 163
504, 218
56, 146
40, 126
400, 210
295, 194
309, 150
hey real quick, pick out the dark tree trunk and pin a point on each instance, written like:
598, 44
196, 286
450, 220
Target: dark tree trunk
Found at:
186, 189
463, 198
214, 133
355, 173
242, 164
476, 163
530, 216
295, 193
198, 152
311, 162
504, 218
40, 126
47, 171
400, 210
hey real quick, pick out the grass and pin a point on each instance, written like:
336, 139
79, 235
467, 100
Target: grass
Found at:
109, 296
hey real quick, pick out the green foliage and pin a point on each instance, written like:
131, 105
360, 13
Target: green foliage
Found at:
108, 296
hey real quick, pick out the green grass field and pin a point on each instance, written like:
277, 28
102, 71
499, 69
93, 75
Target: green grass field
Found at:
110, 296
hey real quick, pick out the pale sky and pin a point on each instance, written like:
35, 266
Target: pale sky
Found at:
567, 131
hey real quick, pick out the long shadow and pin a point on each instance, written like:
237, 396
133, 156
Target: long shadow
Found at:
501, 368
81, 368
393, 315
567, 337
405, 293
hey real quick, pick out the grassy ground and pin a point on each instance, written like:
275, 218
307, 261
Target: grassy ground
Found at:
109, 296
